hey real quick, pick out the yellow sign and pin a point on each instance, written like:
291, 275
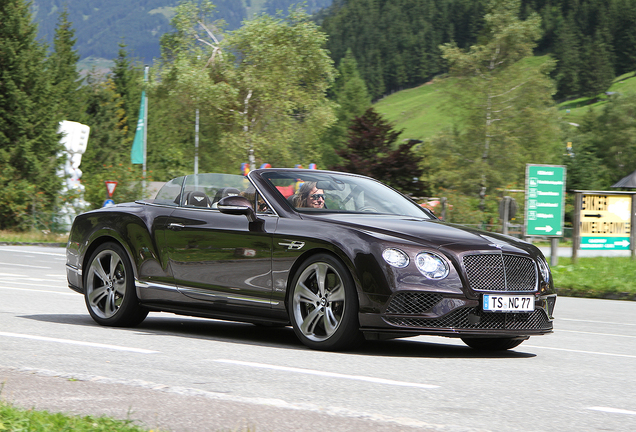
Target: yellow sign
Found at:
606, 215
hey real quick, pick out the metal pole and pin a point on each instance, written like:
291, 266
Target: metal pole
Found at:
554, 251
576, 226
143, 183
506, 214
632, 231
196, 143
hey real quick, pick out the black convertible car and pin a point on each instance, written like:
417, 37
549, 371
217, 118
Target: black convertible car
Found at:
340, 257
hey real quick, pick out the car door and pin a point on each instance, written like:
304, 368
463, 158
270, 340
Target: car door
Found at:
220, 258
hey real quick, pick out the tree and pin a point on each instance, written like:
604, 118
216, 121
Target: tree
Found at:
598, 74
263, 85
282, 73
351, 95
29, 142
127, 79
66, 80
506, 99
372, 150
107, 154
609, 136
625, 41
568, 54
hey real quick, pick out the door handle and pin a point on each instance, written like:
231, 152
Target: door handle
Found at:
175, 226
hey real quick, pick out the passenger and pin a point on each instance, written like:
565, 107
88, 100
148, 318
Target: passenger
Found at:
310, 196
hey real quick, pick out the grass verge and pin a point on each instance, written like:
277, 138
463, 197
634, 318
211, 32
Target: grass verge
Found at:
32, 237
14, 419
599, 277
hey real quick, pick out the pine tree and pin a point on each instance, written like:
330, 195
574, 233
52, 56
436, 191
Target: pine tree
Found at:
568, 53
29, 142
350, 92
598, 72
127, 81
625, 41
66, 80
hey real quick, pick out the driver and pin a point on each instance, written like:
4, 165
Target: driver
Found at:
310, 196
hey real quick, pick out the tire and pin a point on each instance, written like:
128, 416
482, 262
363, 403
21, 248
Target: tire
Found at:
323, 305
493, 344
109, 288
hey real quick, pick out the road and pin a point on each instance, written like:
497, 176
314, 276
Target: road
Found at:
186, 374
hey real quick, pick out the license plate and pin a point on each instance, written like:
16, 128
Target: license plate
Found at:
508, 303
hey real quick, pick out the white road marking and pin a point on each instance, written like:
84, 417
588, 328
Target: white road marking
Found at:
24, 265
613, 410
595, 322
32, 252
593, 333
580, 351
69, 292
81, 343
328, 374
23, 280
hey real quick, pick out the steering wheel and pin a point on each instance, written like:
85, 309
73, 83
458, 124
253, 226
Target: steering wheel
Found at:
368, 209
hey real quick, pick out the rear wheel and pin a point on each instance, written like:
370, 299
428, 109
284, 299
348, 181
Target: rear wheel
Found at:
323, 305
493, 344
109, 288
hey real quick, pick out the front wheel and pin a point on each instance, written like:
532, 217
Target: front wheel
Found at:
493, 344
323, 305
109, 288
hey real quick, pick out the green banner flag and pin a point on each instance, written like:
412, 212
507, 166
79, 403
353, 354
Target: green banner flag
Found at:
137, 152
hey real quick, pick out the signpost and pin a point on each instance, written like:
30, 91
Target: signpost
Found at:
110, 189
603, 221
545, 198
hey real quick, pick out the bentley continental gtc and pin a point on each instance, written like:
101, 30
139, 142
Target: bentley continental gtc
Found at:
339, 257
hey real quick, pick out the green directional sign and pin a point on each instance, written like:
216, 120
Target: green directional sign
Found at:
545, 196
605, 243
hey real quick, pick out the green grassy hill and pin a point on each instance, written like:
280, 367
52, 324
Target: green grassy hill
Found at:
574, 110
422, 111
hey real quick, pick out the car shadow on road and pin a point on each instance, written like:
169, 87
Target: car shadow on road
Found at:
282, 337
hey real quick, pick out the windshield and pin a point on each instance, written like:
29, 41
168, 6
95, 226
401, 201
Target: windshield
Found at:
318, 192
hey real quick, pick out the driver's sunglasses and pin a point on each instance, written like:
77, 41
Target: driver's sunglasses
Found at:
317, 197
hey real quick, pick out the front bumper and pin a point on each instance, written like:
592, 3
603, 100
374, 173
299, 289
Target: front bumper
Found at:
458, 317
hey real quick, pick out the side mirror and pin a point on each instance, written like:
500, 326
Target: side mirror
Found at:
237, 205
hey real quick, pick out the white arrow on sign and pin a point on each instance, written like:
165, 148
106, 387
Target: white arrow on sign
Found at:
624, 243
546, 228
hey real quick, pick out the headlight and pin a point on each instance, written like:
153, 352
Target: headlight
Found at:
395, 257
544, 268
431, 265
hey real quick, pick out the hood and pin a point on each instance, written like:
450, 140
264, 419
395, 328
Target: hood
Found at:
432, 233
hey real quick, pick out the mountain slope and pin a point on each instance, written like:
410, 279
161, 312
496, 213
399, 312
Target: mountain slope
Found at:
100, 25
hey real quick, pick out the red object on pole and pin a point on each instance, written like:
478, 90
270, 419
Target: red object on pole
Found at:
110, 187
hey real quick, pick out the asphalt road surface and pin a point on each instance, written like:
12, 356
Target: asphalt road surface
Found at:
185, 374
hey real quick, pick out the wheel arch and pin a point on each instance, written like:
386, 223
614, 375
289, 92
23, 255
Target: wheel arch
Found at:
99, 238
337, 254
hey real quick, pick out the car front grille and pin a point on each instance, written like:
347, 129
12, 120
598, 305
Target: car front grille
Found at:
473, 318
412, 303
500, 272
